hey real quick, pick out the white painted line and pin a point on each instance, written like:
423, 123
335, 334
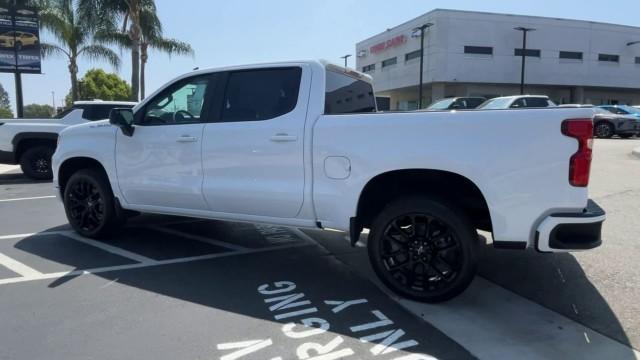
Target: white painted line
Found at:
29, 198
44, 233
486, 315
18, 267
203, 239
108, 248
145, 265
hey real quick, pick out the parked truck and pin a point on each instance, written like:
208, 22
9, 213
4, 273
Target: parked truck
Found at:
300, 144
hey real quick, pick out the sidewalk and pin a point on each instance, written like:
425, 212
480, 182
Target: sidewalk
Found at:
636, 152
7, 168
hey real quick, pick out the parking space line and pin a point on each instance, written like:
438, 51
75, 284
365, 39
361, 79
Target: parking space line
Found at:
58, 275
200, 238
44, 233
109, 248
28, 198
18, 267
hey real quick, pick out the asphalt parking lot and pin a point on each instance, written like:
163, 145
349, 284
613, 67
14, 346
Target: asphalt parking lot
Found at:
179, 288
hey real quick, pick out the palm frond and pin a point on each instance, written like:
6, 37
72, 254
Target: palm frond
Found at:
97, 52
48, 50
171, 46
114, 38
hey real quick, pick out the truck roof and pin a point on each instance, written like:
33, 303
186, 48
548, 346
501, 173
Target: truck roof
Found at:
102, 102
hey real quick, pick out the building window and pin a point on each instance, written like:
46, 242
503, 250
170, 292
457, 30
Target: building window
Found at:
572, 55
609, 58
481, 50
412, 55
369, 68
528, 52
389, 62
638, 60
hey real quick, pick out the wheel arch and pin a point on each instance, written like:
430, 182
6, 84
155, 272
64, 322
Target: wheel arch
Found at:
21, 142
72, 165
456, 188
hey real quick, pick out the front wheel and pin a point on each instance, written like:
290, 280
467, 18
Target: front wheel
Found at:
625, 136
423, 249
90, 205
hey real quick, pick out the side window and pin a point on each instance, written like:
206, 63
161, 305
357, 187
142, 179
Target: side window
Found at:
519, 103
262, 94
537, 102
340, 91
182, 103
97, 112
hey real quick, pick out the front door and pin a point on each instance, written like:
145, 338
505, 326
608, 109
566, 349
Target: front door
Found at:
253, 155
161, 164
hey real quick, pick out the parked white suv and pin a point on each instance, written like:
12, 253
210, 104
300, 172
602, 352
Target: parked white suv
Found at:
300, 144
517, 102
31, 142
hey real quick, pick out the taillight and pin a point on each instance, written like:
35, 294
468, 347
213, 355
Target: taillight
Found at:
580, 164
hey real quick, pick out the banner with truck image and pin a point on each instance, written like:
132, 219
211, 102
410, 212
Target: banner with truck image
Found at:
19, 38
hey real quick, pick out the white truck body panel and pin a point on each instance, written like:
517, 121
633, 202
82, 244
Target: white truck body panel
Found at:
306, 168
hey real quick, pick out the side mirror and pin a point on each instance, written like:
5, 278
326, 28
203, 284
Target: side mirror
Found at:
122, 118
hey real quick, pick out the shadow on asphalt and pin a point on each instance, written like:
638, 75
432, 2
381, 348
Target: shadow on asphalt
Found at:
18, 179
231, 284
556, 281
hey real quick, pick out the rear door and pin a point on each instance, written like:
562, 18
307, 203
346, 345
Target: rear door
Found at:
253, 155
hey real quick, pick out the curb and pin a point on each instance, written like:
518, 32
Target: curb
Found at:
636, 152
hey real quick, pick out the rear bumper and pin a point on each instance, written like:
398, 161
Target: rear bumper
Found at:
8, 157
564, 232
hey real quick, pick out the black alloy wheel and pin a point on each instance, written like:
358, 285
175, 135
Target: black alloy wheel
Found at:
423, 249
36, 163
604, 130
90, 205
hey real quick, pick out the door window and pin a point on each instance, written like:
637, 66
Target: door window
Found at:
261, 94
183, 103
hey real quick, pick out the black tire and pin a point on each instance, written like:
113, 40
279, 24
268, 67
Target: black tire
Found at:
626, 136
603, 130
36, 162
90, 205
411, 256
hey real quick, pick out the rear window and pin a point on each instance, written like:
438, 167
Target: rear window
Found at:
537, 102
348, 95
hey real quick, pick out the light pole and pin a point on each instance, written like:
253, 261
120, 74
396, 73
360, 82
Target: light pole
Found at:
345, 59
524, 54
422, 30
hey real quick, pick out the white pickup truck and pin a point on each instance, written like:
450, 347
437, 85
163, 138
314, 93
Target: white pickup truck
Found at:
301, 144
31, 142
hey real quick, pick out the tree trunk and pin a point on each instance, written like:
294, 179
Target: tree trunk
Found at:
135, 73
135, 34
144, 56
73, 71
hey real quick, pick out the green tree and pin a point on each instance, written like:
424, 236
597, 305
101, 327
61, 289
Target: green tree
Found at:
4, 98
97, 84
6, 113
105, 13
37, 111
151, 38
74, 36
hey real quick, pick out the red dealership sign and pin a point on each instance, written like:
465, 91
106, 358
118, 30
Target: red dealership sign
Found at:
391, 43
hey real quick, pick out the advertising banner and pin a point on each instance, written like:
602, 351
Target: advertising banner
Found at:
19, 39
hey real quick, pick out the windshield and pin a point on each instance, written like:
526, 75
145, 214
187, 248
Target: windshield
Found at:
629, 109
441, 105
499, 103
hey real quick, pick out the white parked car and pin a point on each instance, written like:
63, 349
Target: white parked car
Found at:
300, 144
31, 142
517, 102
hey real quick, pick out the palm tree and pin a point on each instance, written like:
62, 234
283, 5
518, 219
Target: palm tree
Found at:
150, 38
102, 13
74, 39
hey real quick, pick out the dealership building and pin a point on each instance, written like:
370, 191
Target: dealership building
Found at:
479, 54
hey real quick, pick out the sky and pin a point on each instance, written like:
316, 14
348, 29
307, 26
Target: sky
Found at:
249, 31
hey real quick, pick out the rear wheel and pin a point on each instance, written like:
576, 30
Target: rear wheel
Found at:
424, 249
90, 205
36, 163
603, 130
625, 136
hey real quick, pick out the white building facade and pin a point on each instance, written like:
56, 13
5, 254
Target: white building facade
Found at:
479, 54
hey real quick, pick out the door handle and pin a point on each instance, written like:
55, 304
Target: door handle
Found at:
186, 139
284, 138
